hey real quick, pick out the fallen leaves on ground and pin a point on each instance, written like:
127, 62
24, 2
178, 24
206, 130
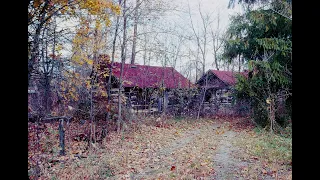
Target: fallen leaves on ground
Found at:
179, 150
266, 154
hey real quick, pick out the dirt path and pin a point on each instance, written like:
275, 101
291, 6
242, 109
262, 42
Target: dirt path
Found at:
185, 138
184, 153
224, 164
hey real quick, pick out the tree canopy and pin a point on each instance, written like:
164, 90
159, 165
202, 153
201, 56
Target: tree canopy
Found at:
263, 39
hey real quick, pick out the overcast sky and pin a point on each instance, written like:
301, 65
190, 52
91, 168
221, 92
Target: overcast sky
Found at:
210, 6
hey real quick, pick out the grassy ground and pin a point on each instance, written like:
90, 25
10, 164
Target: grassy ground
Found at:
266, 154
178, 149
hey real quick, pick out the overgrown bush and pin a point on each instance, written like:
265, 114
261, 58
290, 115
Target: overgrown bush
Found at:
266, 82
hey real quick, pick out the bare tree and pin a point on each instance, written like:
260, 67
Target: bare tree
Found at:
123, 60
146, 14
112, 60
135, 29
201, 39
217, 41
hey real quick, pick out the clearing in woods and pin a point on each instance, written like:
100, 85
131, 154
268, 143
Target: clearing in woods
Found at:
185, 149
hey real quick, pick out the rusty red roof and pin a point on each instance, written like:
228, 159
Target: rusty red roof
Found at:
227, 76
150, 76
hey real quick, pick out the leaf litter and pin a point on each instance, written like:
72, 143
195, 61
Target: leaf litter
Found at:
203, 149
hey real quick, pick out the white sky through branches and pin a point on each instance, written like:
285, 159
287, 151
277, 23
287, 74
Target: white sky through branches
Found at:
179, 20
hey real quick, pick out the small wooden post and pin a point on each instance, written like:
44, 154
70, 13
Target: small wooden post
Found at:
159, 104
61, 139
165, 101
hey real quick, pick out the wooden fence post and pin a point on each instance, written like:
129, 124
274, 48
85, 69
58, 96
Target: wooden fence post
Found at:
61, 137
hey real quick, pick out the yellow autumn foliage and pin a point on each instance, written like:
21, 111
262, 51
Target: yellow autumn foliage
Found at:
89, 61
93, 16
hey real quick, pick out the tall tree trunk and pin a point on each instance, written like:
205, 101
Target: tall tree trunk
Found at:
204, 94
216, 43
216, 60
46, 76
135, 28
197, 64
203, 51
112, 61
53, 54
95, 55
91, 116
204, 58
145, 50
123, 59
149, 58
272, 114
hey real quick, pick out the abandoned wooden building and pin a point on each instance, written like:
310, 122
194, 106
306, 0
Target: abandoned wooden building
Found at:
147, 87
217, 87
